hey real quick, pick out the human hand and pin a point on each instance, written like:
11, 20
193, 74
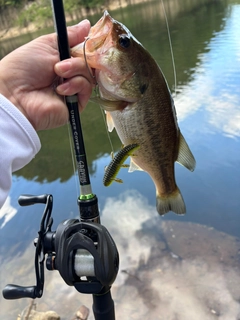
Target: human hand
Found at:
28, 74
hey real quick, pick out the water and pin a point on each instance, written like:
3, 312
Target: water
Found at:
205, 39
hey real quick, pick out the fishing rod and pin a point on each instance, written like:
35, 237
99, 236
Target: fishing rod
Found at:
82, 250
87, 201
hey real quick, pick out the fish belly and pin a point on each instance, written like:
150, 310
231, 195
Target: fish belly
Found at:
157, 153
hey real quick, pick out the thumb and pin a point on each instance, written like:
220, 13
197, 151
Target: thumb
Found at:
77, 33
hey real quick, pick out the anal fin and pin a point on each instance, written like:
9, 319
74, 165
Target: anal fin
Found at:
134, 166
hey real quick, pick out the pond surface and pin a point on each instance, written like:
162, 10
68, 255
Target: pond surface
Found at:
205, 38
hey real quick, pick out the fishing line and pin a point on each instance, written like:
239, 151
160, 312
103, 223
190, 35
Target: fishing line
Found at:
108, 134
96, 92
85, 58
171, 49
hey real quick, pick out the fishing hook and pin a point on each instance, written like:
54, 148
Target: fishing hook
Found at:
85, 58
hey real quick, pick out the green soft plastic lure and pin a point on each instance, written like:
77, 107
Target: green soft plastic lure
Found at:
117, 163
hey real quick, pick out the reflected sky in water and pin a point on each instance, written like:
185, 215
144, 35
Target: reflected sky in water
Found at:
213, 87
164, 269
208, 108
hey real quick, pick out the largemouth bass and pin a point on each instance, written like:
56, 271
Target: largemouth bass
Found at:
138, 103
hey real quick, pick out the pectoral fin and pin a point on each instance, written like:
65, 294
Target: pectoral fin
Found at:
110, 123
109, 105
185, 156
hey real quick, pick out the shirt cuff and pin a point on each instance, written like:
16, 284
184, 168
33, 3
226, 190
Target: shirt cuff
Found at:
19, 143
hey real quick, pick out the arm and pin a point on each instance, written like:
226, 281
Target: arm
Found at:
30, 99
19, 143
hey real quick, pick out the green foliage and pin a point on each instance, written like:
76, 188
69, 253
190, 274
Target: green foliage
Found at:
39, 11
74, 7
91, 3
10, 3
71, 7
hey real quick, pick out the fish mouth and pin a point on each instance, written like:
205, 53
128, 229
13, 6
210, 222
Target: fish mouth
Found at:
101, 52
97, 42
99, 33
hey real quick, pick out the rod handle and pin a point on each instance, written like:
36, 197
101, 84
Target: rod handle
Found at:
103, 306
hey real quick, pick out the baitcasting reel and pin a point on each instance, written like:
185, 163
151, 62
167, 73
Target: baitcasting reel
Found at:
84, 253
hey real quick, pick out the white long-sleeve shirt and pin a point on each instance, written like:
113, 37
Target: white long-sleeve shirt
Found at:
19, 143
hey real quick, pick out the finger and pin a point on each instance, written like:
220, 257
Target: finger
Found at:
72, 67
77, 85
77, 33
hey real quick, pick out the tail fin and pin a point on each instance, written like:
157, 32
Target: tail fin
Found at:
173, 202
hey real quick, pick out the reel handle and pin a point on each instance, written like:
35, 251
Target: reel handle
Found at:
28, 199
12, 291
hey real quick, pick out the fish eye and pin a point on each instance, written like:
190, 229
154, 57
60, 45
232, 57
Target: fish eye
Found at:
124, 41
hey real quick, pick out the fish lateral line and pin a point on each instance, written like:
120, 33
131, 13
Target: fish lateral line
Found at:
117, 163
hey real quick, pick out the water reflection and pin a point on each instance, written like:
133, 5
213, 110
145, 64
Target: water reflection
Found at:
167, 269
214, 82
7, 212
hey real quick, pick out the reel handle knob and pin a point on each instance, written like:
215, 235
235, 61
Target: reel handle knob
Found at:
28, 199
12, 291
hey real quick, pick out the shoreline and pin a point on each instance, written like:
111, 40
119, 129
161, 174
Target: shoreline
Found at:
13, 32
